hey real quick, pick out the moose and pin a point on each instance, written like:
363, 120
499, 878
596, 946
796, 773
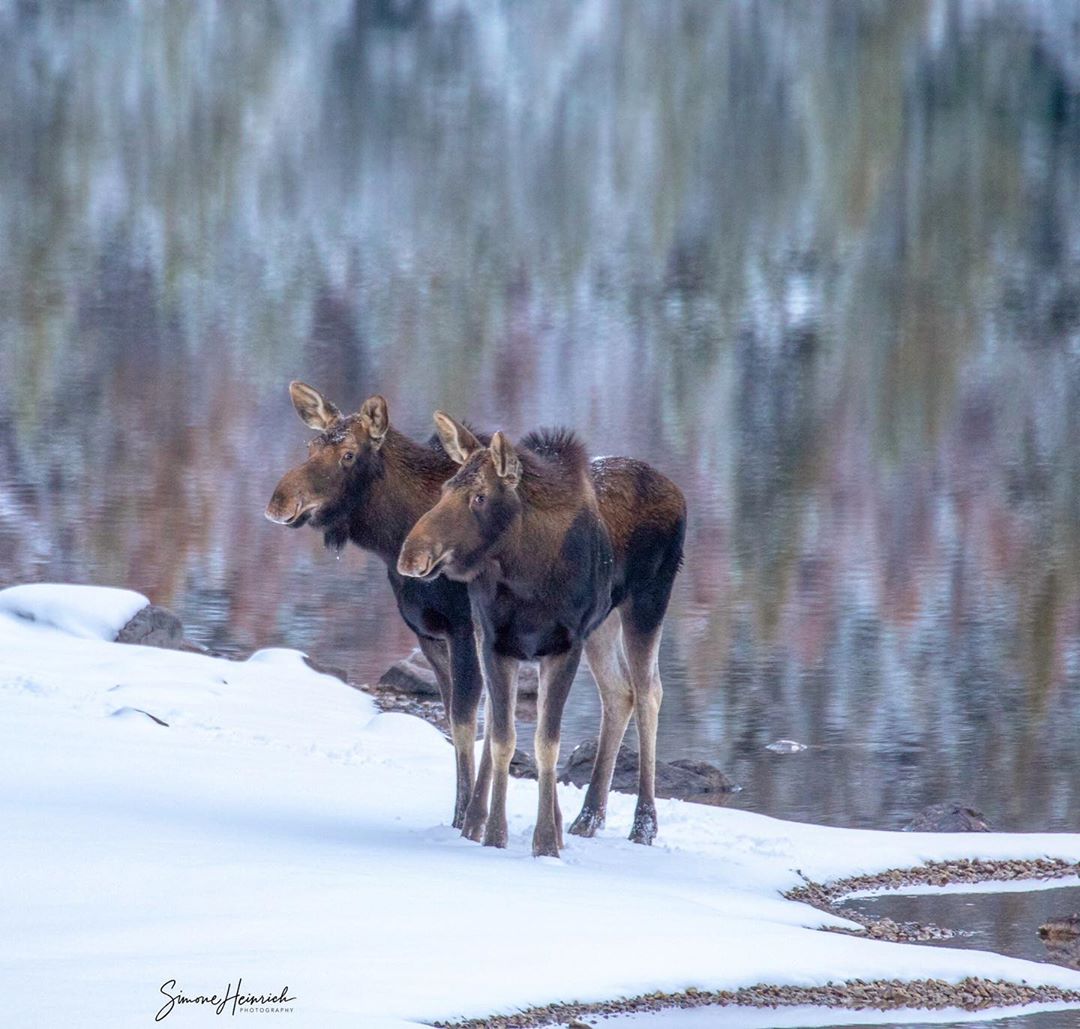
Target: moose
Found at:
366, 483
561, 557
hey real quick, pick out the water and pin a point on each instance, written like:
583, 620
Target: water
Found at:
819, 263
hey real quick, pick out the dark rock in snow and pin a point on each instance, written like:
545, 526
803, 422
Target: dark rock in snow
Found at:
950, 816
414, 674
315, 666
577, 768
681, 779
411, 674
696, 777
153, 626
523, 765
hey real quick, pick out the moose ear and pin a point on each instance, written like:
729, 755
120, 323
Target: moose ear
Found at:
376, 419
315, 411
457, 441
507, 463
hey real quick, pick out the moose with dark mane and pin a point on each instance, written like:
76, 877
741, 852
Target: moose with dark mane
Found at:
550, 577
367, 483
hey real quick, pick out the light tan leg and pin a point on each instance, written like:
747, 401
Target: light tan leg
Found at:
500, 673
642, 653
556, 677
607, 661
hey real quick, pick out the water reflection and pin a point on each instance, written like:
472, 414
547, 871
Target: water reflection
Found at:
820, 263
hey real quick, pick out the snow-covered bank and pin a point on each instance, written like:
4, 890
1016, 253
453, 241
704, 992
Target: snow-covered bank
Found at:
278, 829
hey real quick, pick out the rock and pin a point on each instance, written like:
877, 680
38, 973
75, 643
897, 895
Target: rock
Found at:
785, 746
682, 778
414, 674
153, 626
693, 778
577, 768
1066, 927
322, 669
950, 816
1062, 939
523, 765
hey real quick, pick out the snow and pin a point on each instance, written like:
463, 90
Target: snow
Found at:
280, 830
89, 612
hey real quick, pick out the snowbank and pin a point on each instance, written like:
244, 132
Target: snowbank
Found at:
89, 612
276, 828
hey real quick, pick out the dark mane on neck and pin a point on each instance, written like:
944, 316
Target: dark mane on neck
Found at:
555, 467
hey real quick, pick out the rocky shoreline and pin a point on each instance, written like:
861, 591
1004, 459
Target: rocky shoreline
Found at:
973, 994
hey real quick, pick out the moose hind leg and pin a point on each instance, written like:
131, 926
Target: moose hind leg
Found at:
607, 661
642, 651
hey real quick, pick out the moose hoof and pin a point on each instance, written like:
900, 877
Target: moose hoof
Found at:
545, 845
495, 836
644, 829
587, 823
473, 827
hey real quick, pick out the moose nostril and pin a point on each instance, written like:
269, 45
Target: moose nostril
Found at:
414, 561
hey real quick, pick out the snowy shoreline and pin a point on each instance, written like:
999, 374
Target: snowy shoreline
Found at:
277, 827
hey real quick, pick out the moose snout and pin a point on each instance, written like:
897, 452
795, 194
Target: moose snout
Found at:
286, 509
419, 559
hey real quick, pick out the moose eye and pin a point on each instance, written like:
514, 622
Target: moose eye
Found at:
478, 499
348, 457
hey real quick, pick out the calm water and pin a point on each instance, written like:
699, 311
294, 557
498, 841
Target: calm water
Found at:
820, 263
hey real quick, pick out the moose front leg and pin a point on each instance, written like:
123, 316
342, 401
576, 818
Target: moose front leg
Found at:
467, 686
439, 656
556, 677
501, 675
477, 812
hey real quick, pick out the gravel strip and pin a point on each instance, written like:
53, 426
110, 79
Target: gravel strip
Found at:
387, 698
973, 994
828, 896
934, 873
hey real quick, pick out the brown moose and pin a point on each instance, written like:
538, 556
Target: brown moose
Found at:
560, 557
367, 483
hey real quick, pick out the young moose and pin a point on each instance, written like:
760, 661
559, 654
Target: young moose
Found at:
367, 483
547, 559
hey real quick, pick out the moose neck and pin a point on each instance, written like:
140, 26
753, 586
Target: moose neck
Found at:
403, 484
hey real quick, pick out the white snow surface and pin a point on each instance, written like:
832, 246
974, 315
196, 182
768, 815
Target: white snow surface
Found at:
89, 612
280, 830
